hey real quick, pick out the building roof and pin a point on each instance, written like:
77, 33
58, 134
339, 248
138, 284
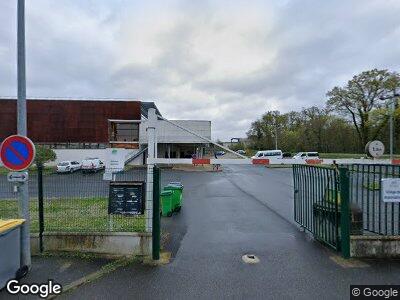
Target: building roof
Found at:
145, 108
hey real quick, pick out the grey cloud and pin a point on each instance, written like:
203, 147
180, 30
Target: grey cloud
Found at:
72, 52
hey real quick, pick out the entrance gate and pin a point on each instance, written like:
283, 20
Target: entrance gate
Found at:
317, 201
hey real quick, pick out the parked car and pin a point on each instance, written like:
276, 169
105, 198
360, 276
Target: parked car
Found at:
92, 165
68, 166
268, 154
220, 153
307, 155
241, 152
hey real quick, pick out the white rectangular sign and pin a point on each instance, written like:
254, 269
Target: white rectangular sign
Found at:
17, 176
390, 188
115, 159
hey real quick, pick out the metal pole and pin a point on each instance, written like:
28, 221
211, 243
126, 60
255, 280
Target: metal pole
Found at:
40, 203
344, 179
156, 214
276, 137
22, 130
151, 140
392, 108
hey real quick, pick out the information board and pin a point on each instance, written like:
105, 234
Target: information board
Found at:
126, 198
390, 189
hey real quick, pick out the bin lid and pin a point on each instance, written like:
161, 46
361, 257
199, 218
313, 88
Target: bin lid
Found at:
166, 193
173, 187
9, 224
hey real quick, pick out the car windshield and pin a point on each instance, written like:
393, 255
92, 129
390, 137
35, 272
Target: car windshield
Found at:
312, 154
299, 154
63, 164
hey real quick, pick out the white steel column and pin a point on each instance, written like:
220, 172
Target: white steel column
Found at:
151, 139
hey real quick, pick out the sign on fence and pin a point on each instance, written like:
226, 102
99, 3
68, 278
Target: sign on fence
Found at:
390, 189
115, 159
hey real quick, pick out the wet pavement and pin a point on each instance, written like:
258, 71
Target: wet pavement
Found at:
245, 209
64, 270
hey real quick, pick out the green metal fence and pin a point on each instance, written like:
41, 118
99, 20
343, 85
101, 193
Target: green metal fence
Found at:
316, 202
378, 217
334, 203
75, 202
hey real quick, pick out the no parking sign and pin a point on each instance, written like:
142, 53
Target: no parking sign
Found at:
17, 152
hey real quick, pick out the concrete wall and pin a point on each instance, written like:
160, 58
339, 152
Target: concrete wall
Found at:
168, 133
104, 243
375, 246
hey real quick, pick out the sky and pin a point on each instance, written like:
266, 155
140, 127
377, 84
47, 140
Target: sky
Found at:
224, 61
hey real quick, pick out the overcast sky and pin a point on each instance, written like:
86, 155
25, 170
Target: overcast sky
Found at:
224, 61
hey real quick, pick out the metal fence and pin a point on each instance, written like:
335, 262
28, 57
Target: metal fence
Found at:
334, 203
316, 202
74, 202
378, 217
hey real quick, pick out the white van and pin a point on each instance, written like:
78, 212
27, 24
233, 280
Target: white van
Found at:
306, 155
268, 154
92, 165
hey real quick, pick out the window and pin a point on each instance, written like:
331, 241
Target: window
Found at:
124, 131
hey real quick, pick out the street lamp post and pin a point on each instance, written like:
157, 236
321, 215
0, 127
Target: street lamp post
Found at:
392, 100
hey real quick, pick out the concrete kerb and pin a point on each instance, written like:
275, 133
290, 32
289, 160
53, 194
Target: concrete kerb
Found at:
107, 244
367, 246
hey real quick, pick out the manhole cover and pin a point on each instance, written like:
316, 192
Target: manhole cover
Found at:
250, 259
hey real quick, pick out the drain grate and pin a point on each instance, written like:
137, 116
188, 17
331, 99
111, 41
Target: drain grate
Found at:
250, 259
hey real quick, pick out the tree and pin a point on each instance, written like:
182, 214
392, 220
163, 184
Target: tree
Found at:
360, 97
44, 155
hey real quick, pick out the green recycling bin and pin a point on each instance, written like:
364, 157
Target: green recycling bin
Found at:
177, 190
166, 203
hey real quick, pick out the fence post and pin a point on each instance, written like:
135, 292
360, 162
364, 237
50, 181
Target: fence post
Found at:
345, 212
156, 214
40, 203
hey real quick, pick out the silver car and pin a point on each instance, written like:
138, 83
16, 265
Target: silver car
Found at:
68, 166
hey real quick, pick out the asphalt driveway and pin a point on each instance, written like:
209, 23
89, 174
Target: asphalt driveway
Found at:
245, 209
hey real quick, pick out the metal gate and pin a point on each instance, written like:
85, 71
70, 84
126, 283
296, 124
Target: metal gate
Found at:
317, 202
